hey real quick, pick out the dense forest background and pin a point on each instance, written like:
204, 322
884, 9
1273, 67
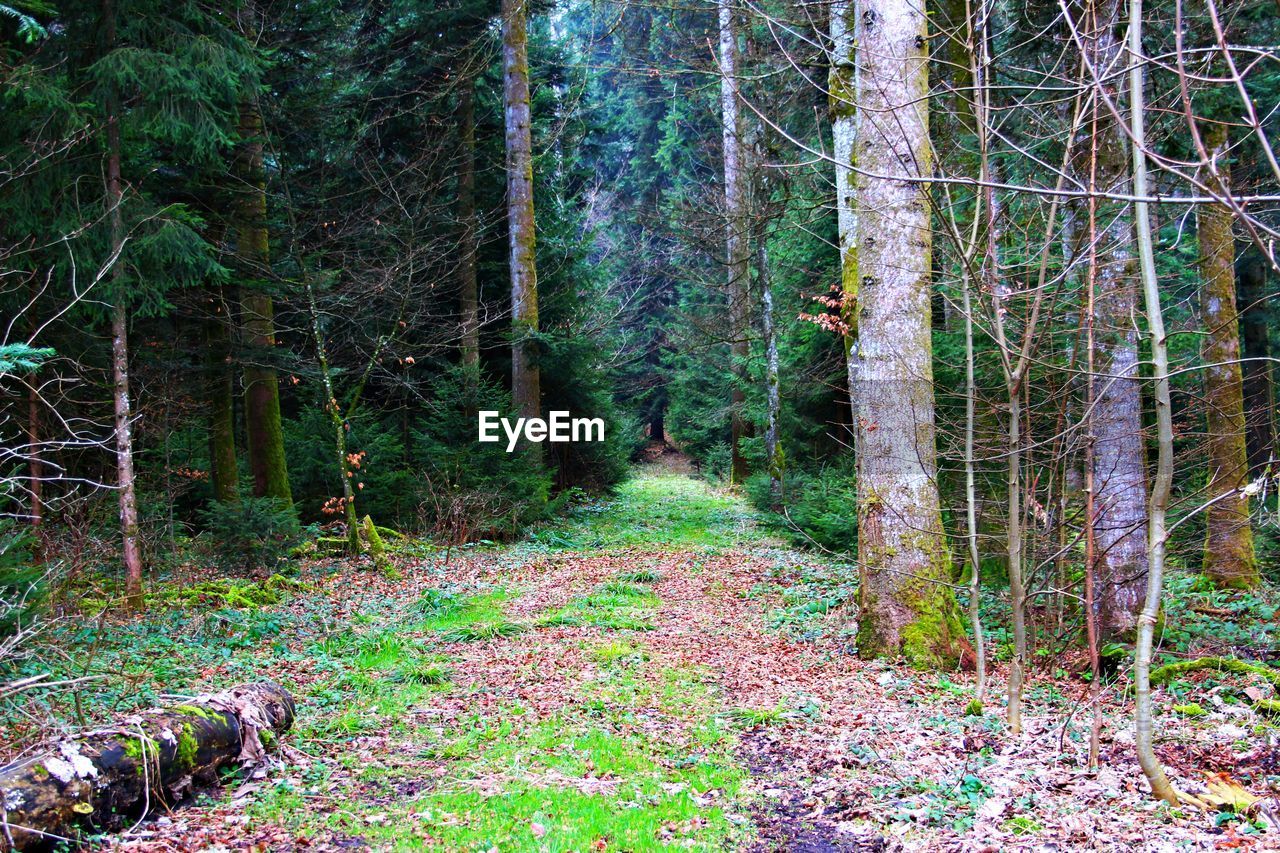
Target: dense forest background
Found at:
980, 301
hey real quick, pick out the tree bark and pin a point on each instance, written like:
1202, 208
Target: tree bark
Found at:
774, 457
1119, 472
906, 608
125, 486
339, 424
1162, 484
223, 469
97, 780
262, 386
1258, 376
525, 377
738, 247
468, 237
1228, 548
841, 80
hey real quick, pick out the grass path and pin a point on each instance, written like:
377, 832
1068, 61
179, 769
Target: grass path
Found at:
584, 691
652, 673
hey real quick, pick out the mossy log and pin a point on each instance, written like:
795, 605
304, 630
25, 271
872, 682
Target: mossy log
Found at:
1168, 672
95, 782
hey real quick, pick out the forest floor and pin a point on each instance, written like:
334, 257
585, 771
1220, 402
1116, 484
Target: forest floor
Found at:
654, 672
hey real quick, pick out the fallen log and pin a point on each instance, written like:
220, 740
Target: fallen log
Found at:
96, 781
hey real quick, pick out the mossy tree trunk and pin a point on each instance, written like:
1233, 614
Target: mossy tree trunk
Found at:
906, 606
96, 781
1119, 458
265, 436
125, 485
1228, 548
737, 238
526, 390
468, 236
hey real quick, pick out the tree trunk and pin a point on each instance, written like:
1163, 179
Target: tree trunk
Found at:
223, 470
1259, 387
262, 386
339, 424
1228, 551
841, 81
738, 248
132, 550
1162, 485
468, 237
774, 457
95, 781
525, 379
1119, 473
906, 607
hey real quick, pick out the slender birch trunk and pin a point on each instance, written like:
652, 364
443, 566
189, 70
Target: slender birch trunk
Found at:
738, 248
132, 550
1119, 472
906, 607
468, 236
525, 377
1228, 548
841, 82
263, 430
1157, 528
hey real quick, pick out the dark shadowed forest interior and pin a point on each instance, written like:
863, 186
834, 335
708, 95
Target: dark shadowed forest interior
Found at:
617, 425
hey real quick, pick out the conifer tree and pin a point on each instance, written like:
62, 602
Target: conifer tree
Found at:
525, 380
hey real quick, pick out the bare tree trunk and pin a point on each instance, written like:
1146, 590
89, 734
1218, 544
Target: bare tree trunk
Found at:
1228, 548
224, 471
1119, 473
1157, 529
262, 386
132, 550
971, 502
468, 237
525, 378
841, 82
906, 606
334, 409
738, 248
1090, 508
772, 439
35, 464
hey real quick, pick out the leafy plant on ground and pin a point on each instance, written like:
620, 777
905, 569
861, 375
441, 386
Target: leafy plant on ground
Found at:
250, 534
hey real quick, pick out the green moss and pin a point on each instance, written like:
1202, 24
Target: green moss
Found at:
974, 708
132, 747
1166, 673
187, 747
1190, 710
198, 711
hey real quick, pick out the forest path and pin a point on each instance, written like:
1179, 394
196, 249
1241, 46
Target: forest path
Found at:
619, 682
655, 671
